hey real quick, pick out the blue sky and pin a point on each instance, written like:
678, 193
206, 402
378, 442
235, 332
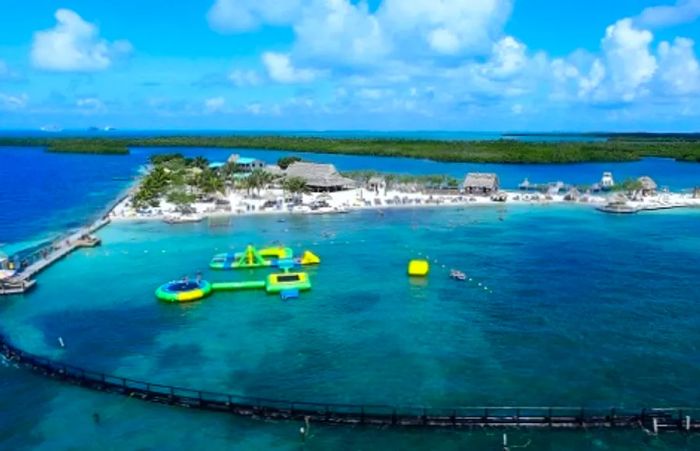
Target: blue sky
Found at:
346, 64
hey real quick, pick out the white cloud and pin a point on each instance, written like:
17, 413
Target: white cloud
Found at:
280, 69
446, 26
684, 11
434, 56
589, 83
74, 45
629, 61
232, 16
13, 102
214, 104
340, 32
508, 58
90, 103
679, 71
444, 41
627, 69
244, 78
347, 33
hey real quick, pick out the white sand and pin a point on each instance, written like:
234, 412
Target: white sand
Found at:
356, 199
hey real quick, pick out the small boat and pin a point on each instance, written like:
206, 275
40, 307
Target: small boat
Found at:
457, 275
182, 219
618, 208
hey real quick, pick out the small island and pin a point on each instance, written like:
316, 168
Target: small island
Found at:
178, 189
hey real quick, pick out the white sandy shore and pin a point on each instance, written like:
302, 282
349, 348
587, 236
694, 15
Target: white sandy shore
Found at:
358, 199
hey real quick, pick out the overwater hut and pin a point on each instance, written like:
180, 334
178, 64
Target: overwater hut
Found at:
480, 183
648, 186
320, 177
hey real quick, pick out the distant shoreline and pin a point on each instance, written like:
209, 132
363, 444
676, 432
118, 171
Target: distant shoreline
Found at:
617, 148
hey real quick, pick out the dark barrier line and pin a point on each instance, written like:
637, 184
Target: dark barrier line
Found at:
656, 419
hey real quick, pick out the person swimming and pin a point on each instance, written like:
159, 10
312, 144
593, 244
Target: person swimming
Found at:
457, 274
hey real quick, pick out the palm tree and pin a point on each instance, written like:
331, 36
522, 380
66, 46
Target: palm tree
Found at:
389, 182
200, 162
295, 186
258, 179
209, 183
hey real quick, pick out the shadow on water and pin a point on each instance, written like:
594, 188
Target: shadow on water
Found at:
99, 338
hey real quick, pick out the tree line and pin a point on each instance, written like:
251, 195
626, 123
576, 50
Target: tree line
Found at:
618, 148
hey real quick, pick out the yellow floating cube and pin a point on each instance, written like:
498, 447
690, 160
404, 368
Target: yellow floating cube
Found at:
418, 268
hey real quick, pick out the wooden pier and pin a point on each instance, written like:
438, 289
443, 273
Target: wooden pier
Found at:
654, 420
45, 257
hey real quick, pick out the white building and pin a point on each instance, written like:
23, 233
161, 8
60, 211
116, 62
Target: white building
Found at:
607, 181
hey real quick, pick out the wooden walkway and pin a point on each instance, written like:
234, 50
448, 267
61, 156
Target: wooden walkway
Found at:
43, 258
655, 420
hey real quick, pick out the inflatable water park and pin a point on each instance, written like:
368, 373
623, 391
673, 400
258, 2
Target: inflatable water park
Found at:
263, 258
287, 283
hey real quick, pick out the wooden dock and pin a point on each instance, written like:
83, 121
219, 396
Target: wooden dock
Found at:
653, 420
43, 258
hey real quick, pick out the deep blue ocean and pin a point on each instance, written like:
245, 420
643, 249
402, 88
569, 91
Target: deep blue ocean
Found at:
583, 308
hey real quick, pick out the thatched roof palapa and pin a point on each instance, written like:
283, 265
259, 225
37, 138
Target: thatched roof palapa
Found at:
648, 184
319, 175
481, 181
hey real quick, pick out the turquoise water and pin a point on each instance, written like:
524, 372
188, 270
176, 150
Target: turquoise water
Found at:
583, 308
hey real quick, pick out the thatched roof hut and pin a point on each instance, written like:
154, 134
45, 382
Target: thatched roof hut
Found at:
648, 185
480, 183
319, 177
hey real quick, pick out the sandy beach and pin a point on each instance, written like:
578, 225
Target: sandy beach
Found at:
274, 201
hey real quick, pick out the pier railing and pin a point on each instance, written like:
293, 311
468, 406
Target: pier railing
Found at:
653, 419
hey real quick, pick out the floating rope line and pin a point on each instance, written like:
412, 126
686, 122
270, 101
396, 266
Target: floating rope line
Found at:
331, 242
